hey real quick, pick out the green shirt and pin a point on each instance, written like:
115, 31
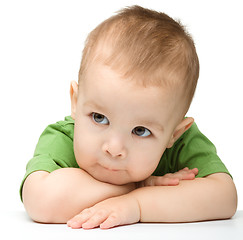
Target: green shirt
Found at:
193, 150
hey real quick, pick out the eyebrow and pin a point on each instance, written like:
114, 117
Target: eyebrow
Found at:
153, 124
94, 105
146, 123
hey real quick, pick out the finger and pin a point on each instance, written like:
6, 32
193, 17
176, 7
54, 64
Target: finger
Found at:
165, 181
173, 181
78, 220
95, 220
186, 169
112, 221
195, 171
149, 181
188, 174
184, 174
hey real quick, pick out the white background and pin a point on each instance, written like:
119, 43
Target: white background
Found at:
40, 52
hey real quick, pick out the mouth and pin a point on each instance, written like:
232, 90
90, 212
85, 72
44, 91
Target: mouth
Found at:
111, 169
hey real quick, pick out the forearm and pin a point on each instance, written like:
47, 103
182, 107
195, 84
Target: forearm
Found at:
196, 200
56, 197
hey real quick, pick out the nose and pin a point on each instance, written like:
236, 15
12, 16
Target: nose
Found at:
114, 147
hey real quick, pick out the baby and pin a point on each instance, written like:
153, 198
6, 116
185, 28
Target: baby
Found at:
127, 153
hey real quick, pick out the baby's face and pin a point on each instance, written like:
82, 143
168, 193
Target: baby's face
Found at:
121, 129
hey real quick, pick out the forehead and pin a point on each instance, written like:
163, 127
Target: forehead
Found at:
101, 78
107, 89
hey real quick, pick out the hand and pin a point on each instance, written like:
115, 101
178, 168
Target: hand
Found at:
170, 179
108, 213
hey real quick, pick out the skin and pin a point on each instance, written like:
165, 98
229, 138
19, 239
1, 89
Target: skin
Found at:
121, 131
107, 110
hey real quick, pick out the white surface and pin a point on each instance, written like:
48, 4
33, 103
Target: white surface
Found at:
16, 225
40, 52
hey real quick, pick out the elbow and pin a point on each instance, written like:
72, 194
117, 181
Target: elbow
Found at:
46, 210
49, 207
226, 203
233, 202
232, 211
42, 203
38, 206
39, 211
229, 210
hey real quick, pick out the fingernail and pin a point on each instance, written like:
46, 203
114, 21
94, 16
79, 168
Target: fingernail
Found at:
75, 225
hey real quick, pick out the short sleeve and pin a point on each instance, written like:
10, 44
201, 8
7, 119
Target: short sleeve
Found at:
192, 150
54, 150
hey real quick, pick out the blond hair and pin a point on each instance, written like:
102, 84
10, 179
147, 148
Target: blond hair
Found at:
147, 46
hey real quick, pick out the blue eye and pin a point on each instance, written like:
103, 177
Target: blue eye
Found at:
141, 131
99, 118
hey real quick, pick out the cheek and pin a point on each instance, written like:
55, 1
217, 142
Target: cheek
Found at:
84, 147
145, 162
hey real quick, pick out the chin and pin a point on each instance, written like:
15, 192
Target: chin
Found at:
115, 180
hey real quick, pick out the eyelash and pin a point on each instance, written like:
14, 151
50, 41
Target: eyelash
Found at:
101, 119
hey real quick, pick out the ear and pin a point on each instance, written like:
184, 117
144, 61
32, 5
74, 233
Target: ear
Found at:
74, 98
182, 127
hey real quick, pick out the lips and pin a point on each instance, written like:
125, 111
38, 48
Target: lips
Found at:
110, 168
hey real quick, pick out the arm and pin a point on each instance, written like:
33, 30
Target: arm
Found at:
212, 197
57, 196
